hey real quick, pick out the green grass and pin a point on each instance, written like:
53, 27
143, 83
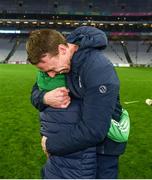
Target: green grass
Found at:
20, 151
136, 84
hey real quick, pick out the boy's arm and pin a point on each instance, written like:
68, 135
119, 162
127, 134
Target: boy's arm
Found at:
119, 131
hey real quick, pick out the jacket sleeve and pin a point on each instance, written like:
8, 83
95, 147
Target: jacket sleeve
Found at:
101, 91
37, 98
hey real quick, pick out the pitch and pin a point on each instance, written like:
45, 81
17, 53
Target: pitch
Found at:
20, 152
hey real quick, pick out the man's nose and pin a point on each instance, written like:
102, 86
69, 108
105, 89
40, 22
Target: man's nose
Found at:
51, 74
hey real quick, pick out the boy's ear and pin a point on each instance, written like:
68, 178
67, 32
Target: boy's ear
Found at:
62, 49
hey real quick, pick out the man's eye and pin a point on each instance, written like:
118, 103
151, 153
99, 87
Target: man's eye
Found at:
62, 71
49, 71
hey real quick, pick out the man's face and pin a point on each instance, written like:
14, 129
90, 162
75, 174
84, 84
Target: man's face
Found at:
54, 65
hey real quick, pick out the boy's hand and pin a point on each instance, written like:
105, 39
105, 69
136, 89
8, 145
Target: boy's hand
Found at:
57, 98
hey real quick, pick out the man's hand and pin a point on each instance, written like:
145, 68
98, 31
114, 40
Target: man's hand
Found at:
57, 98
43, 144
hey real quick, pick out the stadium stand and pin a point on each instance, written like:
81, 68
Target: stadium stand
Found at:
18, 56
5, 46
87, 7
115, 53
126, 23
136, 49
138, 52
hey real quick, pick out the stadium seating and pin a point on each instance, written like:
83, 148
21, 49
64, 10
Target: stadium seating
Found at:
19, 55
115, 53
5, 46
138, 52
45, 6
136, 49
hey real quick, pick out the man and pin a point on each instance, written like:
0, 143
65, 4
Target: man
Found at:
91, 78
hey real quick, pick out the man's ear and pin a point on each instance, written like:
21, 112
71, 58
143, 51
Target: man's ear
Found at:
62, 49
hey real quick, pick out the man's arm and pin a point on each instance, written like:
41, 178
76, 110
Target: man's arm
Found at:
98, 105
92, 128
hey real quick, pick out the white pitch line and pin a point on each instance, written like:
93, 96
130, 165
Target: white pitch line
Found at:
131, 102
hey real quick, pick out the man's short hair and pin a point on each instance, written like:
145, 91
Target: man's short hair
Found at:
41, 42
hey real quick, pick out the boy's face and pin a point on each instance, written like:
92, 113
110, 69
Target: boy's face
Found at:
54, 65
